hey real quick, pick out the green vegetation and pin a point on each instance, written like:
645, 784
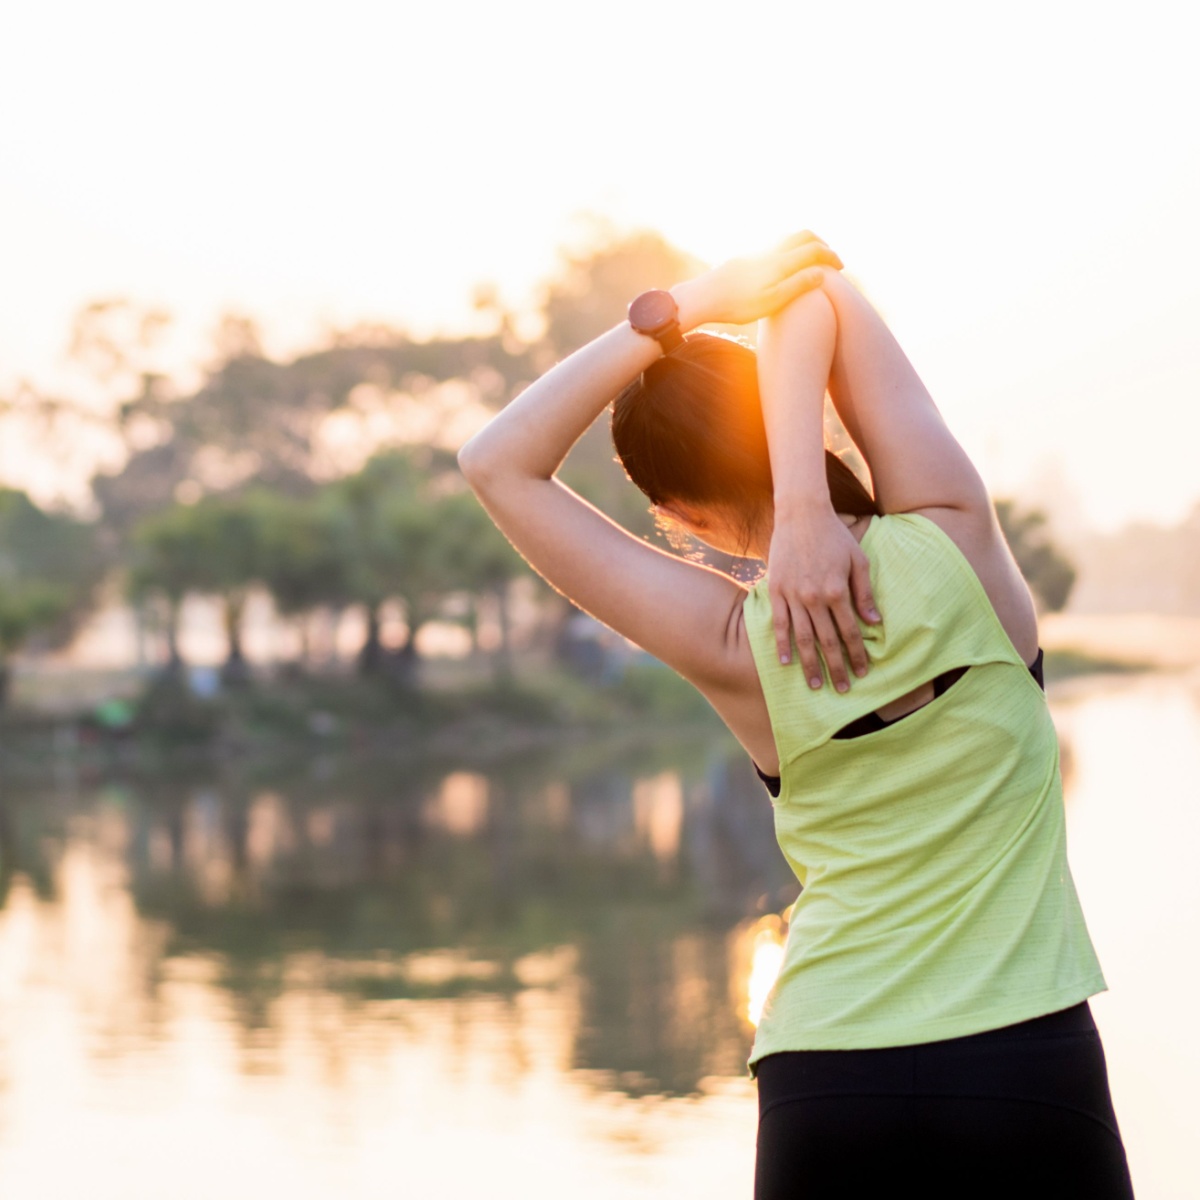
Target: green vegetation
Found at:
237, 488
1066, 664
49, 574
1047, 570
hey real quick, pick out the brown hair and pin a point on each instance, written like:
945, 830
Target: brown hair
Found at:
691, 428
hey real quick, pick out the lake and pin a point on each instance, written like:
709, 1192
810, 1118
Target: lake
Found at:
536, 980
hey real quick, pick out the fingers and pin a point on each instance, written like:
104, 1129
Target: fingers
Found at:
811, 254
807, 247
784, 292
801, 271
806, 648
781, 620
860, 585
827, 626
850, 635
843, 614
830, 642
799, 239
786, 622
826, 630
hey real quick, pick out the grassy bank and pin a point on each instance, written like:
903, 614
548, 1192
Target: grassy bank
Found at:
1063, 664
456, 712
465, 715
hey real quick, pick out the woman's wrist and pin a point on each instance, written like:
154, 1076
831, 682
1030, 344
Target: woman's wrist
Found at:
690, 303
807, 505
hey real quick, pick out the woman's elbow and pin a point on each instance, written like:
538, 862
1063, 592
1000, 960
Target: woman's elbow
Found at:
476, 463
810, 320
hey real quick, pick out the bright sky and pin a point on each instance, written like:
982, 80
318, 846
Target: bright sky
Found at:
1015, 185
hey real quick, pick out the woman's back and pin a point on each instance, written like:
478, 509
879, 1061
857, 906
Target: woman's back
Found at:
937, 900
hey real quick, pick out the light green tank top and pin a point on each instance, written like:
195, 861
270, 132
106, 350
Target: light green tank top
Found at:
936, 900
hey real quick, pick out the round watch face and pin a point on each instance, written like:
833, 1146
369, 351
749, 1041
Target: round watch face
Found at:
653, 311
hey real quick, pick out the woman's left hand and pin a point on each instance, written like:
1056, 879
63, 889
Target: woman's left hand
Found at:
818, 577
747, 289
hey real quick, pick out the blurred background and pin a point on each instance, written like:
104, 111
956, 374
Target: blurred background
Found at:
338, 853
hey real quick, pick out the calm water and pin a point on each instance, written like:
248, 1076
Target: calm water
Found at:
536, 981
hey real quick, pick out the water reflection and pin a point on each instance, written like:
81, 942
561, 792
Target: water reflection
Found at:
335, 981
624, 879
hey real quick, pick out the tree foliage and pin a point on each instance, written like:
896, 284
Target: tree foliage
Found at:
415, 536
228, 486
213, 547
1049, 573
402, 530
49, 573
254, 420
592, 289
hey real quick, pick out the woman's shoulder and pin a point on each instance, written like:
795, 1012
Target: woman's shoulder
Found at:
972, 543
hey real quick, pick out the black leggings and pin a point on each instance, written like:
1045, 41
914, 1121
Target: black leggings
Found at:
1022, 1112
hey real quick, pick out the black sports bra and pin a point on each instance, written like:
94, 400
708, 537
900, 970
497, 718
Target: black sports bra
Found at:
873, 721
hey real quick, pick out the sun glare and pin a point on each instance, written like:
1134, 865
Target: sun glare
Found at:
765, 939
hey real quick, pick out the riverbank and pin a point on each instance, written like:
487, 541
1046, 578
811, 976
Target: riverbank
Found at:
1128, 641
125, 722
128, 721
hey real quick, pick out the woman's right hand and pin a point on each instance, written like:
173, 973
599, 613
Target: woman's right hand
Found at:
744, 290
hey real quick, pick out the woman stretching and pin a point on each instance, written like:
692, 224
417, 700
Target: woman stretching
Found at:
929, 1024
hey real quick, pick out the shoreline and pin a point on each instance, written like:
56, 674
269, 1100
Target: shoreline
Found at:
273, 722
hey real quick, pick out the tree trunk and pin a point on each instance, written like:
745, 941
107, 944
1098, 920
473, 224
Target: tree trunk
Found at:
503, 661
473, 624
404, 663
174, 658
235, 670
304, 624
370, 657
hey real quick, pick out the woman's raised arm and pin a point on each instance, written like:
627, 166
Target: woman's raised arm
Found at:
916, 463
671, 608
818, 575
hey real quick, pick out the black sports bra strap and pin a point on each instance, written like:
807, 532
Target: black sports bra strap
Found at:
873, 722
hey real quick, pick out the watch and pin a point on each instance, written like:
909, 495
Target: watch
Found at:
656, 314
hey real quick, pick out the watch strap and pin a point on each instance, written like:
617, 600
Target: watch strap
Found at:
670, 337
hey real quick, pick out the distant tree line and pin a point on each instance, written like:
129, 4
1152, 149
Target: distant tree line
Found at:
396, 530
232, 485
1049, 573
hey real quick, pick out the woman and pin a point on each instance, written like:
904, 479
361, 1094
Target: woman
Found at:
929, 1023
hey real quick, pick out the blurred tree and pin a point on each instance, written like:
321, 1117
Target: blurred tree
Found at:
409, 532
213, 547
116, 341
255, 420
400, 545
255, 425
303, 555
1049, 573
49, 573
26, 608
591, 289
164, 566
475, 554
364, 508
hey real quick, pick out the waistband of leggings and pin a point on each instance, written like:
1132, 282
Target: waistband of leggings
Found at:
1074, 1020
1057, 1058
